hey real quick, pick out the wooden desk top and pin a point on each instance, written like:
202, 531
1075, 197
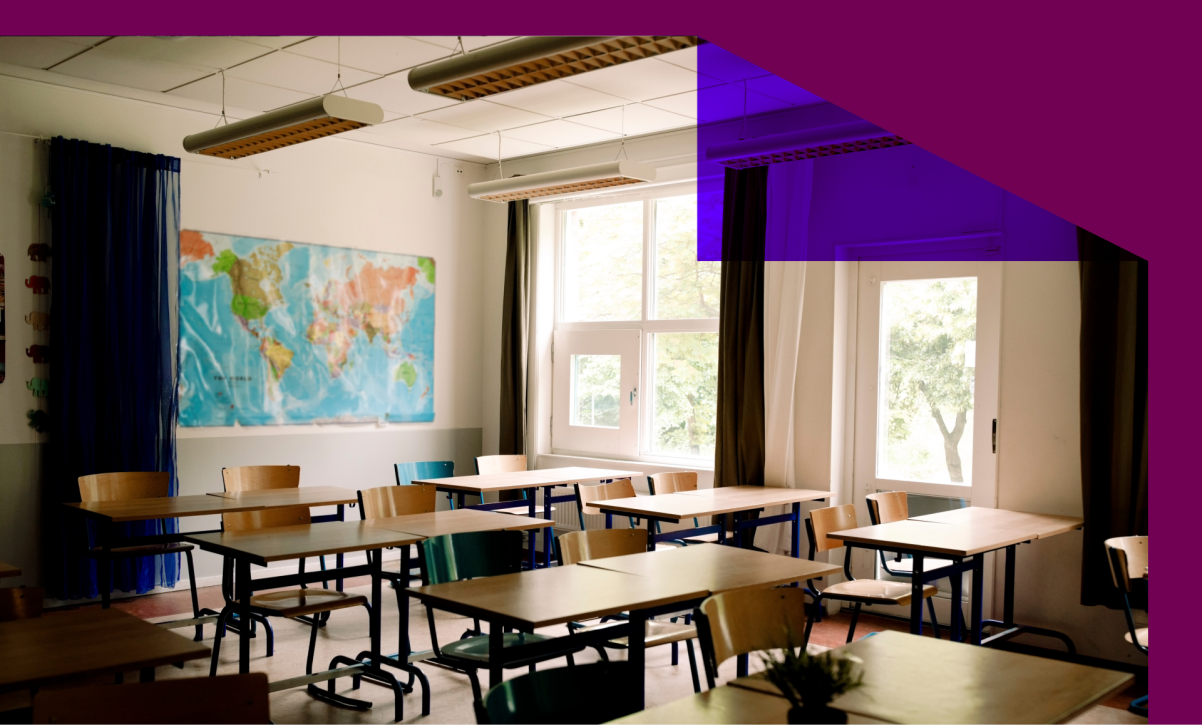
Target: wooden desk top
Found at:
280, 497
9, 570
760, 495
61, 646
554, 596
707, 502
1034, 526
296, 542
438, 523
909, 679
716, 568
146, 509
527, 479
724, 705
932, 538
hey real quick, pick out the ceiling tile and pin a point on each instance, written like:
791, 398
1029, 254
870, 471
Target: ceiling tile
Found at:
470, 42
206, 52
239, 94
127, 70
778, 87
273, 41
376, 54
641, 79
422, 131
298, 73
685, 58
560, 134
724, 65
557, 99
393, 93
639, 119
36, 52
85, 40
486, 147
716, 103
483, 116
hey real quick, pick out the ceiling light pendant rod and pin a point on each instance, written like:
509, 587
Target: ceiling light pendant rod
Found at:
500, 164
338, 83
223, 118
622, 147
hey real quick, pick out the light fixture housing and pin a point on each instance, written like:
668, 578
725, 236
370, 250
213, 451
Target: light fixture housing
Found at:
565, 181
300, 122
536, 59
843, 138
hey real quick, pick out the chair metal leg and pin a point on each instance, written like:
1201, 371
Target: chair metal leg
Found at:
1139, 706
477, 696
218, 635
675, 654
855, 617
934, 621
688, 643
312, 647
805, 640
200, 630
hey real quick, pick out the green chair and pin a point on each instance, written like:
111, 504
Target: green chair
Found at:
471, 555
558, 696
407, 473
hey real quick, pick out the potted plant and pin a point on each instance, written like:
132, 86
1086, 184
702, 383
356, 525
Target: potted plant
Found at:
811, 682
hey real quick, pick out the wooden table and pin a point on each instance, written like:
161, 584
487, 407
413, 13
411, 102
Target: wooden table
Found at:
440, 523
724, 705
7, 570
304, 496
62, 646
910, 679
736, 500
528, 481
285, 543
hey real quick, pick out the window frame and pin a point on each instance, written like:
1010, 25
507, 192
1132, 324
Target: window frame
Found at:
649, 327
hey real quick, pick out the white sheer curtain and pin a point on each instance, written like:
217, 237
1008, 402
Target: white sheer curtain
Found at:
789, 191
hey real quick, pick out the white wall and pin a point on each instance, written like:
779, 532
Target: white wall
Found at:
334, 191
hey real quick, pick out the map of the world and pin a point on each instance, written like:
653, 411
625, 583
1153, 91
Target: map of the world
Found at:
277, 333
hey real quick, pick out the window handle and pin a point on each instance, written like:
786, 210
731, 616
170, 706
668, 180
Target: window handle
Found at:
634, 392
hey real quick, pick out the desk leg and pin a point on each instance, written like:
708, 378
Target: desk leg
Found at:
496, 654
532, 537
1008, 594
104, 564
338, 558
548, 533
376, 559
795, 545
636, 655
955, 628
462, 499
916, 600
738, 533
243, 584
978, 597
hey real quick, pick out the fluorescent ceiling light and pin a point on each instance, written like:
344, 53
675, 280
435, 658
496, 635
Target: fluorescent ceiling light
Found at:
305, 121
536, 59
811, 143
566, 181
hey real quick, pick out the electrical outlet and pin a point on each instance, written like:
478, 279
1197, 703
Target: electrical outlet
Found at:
460, 171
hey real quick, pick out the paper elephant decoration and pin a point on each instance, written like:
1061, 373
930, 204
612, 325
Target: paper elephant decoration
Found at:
39, 285
39, 320
39, 386
39, 252
39, 353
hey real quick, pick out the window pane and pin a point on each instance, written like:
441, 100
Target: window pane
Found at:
596, 388
924, 403
684, 288
603, 263
684, 417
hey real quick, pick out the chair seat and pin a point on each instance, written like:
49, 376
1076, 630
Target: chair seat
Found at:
655, 633
1141, 637
297, 602
875, 591
522, 510
476, 648
146, 550
906, 565
711, 538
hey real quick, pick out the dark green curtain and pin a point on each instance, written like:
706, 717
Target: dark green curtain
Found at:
515, 331
739, 454
1114, 407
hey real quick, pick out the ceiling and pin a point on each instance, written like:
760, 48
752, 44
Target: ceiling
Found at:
264, 73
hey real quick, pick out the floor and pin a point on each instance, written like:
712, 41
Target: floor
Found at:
346, 634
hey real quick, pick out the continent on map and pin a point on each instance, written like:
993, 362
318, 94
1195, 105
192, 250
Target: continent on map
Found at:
373, 301
277, 355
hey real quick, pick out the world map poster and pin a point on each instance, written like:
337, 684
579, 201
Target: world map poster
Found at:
278, 333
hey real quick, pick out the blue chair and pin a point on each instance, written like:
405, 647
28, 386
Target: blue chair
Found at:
407, 473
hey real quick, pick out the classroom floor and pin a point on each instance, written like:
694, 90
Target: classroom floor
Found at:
346, 634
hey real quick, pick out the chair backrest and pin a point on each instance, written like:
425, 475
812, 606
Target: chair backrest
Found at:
262, 478
829, 520
749, 620
577, 546
21, 603
884, 508
472, 554
385, 501
555, 696
225, 699
1128, 556
488, 465
622, 488
407, 473
672, 482
124, 486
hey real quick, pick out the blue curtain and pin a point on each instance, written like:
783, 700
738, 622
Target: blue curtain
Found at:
114, 309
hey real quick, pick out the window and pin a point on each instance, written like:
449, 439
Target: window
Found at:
636, 337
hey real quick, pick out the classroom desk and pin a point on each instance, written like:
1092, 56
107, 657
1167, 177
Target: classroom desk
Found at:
724, 705
528, 481
910, 679
1027, 525
62, 646
440, 523
7, 570
672, 507
284, 543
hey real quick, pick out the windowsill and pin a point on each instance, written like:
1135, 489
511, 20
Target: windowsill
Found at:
598, 462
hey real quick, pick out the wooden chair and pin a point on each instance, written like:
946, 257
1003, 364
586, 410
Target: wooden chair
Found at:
554, 696
470, 555
586, 495
751, 620
675, 482
128, 485
21, 603
225, 699
887, 507
857, 591
1128, 557
578, 546
489, 465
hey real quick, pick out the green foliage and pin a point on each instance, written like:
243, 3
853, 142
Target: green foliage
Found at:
596, 386
604, 265
248, 308
684, 288
686, 392
811, 680
225, 262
